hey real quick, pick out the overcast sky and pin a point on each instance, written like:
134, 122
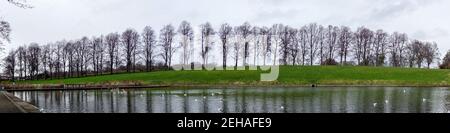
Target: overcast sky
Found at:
53, 20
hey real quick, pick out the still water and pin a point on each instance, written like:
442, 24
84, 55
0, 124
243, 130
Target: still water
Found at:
245, 100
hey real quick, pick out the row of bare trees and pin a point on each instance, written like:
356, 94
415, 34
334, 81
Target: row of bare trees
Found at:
278, 44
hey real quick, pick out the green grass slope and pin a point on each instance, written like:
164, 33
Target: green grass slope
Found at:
289, 75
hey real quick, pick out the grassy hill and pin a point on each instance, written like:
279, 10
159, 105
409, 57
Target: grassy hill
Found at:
289, 75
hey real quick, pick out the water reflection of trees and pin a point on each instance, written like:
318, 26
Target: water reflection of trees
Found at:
251, 100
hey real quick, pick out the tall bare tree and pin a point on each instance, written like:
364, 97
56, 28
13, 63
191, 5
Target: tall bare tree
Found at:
276, 32
266, 47
33, 59
332, 37
130, 40
45, 59
363, 44
418, 52
207, 32
302, 39
294, 45
431, 53
112, 43
97, 54
187, 37
244, 32
345, 40
10, 64
167, 34
68, 59
236, 47
59, 59
397, 46
149, 40
256, 35
380, 43
21, 57
225, 33
321, 36
312, 32
286, 39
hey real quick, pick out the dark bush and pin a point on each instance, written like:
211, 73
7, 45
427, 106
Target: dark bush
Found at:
329, 62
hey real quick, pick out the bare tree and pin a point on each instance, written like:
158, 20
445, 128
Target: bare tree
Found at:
236, 47
33, 59
68, 59
285, 38
10, 64
130, 40
445, 61
276, 30
418, 52
410, 57
112, 43
225, 33
312, 31
78, 48
321, 36
51, 59
345, 39
431, 53
207, 32
332, 37
244, 31
302, 39
187, 37
166, 42
266, 41
363, 44
21, 57
149, 39
5, 31
380, 46
398, 42
44, 57
294, 45
97, 51
83, 53
59, 53
256, 31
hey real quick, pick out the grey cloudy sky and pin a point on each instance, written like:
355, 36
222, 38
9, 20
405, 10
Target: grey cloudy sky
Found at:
53, 20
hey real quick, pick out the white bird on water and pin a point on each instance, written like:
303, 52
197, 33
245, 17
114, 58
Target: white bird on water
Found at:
424, 100
386, 101
374, 104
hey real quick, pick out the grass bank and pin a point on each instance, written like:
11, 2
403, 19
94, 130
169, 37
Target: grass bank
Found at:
289, 75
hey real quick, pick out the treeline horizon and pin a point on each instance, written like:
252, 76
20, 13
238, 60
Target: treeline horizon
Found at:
131, 51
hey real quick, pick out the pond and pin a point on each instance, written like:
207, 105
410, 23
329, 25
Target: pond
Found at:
244, 100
